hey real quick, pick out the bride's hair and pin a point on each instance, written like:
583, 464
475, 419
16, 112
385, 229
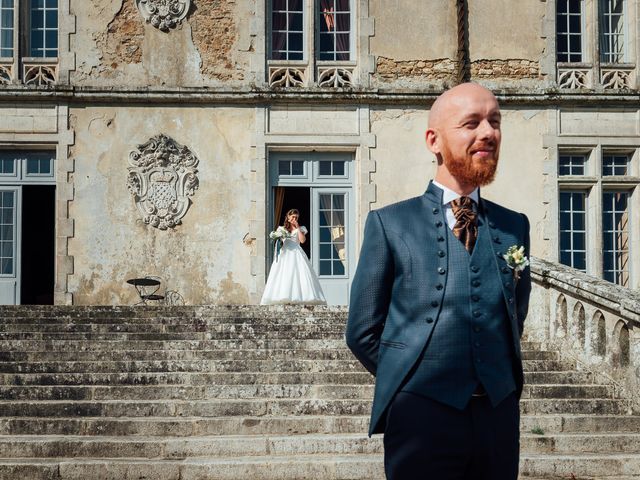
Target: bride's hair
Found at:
287, 223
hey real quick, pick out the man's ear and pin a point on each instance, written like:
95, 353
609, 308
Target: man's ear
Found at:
433, 140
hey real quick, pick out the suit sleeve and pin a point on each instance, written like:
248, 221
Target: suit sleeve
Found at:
370, 294
523, 288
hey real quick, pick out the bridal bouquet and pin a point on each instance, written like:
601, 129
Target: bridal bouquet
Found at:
278, 236
279, 233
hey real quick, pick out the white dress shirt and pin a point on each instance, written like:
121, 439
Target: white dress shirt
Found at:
448, 196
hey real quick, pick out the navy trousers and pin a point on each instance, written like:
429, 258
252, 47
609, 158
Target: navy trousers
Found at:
428, 440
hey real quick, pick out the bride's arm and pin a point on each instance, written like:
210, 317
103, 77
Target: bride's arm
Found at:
301, 234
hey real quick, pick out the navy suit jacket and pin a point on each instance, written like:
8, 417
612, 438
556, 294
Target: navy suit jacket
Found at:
393, 294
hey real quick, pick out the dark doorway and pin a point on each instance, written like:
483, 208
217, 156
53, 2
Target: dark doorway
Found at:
38, 244
300, 199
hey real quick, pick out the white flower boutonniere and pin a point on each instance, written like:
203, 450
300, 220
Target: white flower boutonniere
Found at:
516, 260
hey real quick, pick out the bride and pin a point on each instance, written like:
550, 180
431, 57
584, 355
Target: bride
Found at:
291, 278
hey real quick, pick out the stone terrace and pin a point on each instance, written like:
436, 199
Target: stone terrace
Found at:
239, 392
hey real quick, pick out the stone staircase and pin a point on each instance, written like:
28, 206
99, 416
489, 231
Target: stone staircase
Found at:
186, 393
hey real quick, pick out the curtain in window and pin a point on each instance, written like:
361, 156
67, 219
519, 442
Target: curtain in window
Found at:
278, 29
279, 201
337, 19
335, 218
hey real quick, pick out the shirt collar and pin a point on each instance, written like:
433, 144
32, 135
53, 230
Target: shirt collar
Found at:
449, 195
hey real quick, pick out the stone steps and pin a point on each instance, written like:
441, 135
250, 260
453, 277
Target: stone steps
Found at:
219, 392
247, 365
363, 390
52, 446
279, 425
256, 407
297, 467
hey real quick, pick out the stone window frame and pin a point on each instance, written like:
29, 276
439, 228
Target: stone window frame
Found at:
21, 68
592, 73
593, 183
313, 73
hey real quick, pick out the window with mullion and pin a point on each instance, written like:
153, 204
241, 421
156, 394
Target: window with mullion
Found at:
612, 31
571, 164
6, 28
615, 164
569, 30
334, 30
615, 232
573, 231
43, 28
287, 30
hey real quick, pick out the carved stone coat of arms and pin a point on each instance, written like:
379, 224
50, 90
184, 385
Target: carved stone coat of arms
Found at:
163, 14
161, 179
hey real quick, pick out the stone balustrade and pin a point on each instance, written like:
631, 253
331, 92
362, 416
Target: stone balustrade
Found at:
593, 321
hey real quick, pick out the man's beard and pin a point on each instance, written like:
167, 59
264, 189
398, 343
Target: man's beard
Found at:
468, 172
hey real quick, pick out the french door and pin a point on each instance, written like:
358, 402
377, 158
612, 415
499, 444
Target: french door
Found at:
10, 200
320, 186
332, 242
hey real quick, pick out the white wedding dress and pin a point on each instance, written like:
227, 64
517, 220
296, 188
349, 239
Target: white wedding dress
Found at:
291, 278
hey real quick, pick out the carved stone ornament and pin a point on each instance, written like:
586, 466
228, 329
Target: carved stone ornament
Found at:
163, 14
161, 178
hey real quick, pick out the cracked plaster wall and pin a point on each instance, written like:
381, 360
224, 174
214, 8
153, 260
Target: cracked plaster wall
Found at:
404, 165
205, 258
114, 45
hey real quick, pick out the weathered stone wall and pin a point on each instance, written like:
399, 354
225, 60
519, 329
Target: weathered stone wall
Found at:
205, 258
115, 46
404, 165
413, 44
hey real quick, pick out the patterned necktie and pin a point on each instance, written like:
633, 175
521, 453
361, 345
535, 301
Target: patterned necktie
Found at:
465, 228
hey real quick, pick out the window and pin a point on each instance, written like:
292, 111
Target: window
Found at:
573, 249
331, 168
27, 166
593, 46
33, 46
332, 221
571, 164
612, 31
615, 164
7, 233
615, 231
287, 30
569, 30
595, 200
309, 42
43, 28
293, 168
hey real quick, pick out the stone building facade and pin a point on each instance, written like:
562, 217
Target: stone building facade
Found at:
167, 137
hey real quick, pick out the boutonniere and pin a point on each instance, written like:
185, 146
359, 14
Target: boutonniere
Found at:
516, 260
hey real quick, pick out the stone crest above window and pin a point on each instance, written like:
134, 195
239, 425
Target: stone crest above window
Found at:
163, 14
161, 179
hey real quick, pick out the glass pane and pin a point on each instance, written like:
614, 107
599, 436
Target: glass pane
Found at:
6, 249
52, 3
6, 232
7, 266
565, 258
7, 200
574, 6
325, 233
297, 167
325, 267
578, 221
579, 261
579, 241
295, 56
295, 5
295, 21
561, 24
325, 168
51, 19
284, 167
325, 251
295, 42
7, 166
6, 216
279, 4
7, 3
338, 202
575, 24
37, 19
326, 42
45, 167
338, 267
7, 19
338, 168
51, 37
279, 21
575, 43
32, 166
343, 22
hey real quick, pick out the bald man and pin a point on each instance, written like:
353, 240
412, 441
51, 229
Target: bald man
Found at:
436, 312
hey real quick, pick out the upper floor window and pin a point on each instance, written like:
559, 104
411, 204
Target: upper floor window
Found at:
593, 35
569, 20
612, 31
28, 41
310, 42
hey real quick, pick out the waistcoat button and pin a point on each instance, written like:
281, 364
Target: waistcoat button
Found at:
434, 303
429, 320
441, 271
